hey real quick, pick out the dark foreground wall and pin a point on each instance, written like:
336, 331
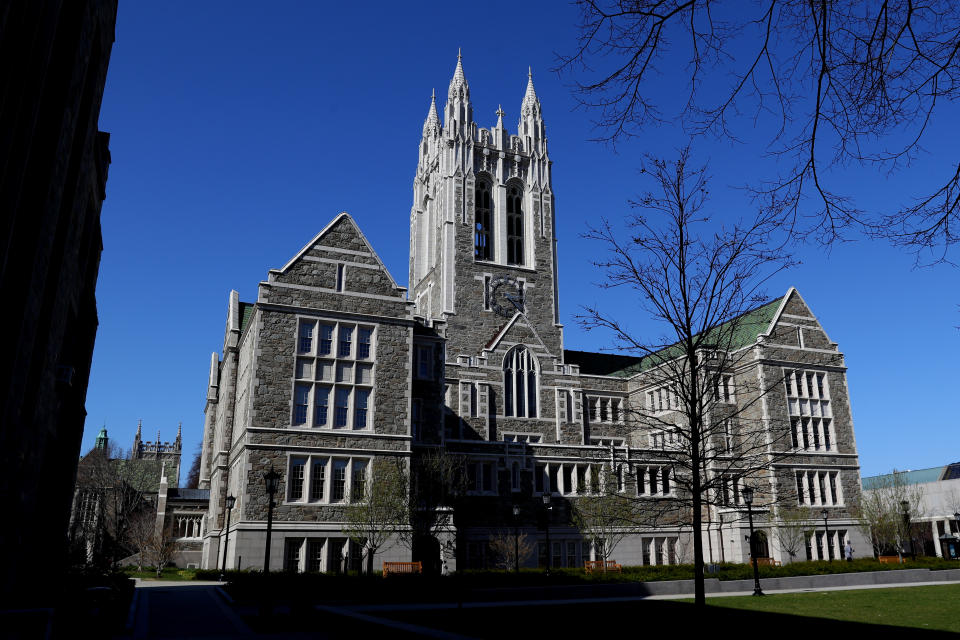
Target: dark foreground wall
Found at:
53, 172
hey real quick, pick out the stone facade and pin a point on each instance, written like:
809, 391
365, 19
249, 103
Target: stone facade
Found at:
474, 363
52, 184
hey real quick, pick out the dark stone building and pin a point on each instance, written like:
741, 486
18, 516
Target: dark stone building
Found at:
53, 173
333, 371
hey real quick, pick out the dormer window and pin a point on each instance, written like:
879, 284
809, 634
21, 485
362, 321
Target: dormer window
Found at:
483, 238
514, 225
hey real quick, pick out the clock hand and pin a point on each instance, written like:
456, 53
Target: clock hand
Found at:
515, 301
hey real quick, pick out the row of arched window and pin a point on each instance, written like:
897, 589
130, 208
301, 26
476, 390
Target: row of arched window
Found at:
484, 232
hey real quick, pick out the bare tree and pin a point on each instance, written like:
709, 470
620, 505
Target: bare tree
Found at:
380, 510
880, 512
114, 490
835, 83
793, 528
161, 548
701, 281
438, 481
511, 550
605, 519
140, 534
193, 475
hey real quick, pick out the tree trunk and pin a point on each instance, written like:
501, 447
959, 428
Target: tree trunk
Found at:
370, 551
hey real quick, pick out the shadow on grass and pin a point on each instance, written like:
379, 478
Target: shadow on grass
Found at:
670, 618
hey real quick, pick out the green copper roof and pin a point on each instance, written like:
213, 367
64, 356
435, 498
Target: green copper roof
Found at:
246, 312
734, 334
920, 476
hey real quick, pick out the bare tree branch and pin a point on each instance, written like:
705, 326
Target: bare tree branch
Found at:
847, 83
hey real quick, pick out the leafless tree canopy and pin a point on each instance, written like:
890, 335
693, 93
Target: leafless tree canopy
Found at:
193, 475
794, 527
880, 512
112, 491
605, 519
384, 509
699, 281
846, 82
511, 550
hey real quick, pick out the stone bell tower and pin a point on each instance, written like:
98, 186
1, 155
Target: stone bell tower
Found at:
482, 225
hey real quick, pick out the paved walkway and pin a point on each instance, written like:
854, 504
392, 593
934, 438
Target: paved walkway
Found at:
183, 610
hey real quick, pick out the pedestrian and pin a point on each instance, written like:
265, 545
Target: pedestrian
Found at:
848, 551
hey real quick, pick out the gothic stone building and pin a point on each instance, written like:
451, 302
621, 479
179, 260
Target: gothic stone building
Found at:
336, 365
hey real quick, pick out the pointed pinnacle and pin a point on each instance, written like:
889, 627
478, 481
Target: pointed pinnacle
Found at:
459, 79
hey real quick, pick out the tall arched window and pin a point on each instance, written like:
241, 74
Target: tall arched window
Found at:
520, 383
514, 225
483, 239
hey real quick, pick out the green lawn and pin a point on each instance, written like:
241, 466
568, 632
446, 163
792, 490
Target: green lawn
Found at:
934, 607
169, 573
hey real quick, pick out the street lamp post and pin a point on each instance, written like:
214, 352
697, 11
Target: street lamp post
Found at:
549, 508
516, 538
223, 567
826, 534
747, 494
905, 509
270, 478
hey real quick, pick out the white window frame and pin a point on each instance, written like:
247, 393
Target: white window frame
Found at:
810, 410
596, 405
526, 364
315, 361
481, 469
327, 460
812, 495
522, 436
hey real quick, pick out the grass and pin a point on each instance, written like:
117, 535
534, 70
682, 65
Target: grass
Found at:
933, 607
862, 613
169, 573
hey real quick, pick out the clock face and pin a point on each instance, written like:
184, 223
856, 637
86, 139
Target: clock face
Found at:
506, 296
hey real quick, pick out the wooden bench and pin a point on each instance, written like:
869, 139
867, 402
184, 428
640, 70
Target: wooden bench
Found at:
401, 568
599, 565
768, 562
889, 559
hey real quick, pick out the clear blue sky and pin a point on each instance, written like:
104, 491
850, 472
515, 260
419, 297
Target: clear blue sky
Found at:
238, 130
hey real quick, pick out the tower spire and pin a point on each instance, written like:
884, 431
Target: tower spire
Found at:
432, 124
458, 84
531, 104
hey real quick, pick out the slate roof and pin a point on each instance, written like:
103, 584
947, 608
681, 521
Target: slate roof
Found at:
745, 328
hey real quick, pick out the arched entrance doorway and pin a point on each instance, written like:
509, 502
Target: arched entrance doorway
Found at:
426, 549
761, 548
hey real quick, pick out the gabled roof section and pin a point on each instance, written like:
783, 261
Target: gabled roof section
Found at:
342, 218
745, 329
794, 302
518, 319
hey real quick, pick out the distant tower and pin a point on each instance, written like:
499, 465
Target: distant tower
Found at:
101, 441
482, 241
167, 452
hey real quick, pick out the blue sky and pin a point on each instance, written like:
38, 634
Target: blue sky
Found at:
238, 130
